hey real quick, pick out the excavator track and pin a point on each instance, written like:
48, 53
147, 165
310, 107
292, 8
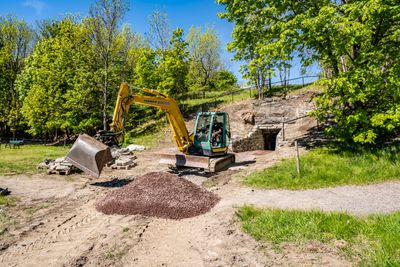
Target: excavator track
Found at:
221, 163
214, 164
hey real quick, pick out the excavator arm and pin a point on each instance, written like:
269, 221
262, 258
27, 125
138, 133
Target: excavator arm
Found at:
183, 139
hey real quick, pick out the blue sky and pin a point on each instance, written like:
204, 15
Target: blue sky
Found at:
181, 13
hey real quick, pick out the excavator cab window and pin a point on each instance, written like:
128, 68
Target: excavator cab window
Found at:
217, 137
203, 127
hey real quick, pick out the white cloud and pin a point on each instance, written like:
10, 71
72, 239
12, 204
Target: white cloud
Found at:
37, 5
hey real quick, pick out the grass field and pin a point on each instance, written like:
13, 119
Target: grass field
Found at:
374, 240
326, 168
26, 158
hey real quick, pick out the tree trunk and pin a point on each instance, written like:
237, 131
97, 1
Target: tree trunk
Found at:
269, 78
105, 96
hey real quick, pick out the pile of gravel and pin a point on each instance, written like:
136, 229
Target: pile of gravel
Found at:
159, 194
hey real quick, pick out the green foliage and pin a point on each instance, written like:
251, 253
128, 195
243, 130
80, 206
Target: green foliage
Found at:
174, 66
146, 71
328, 168
375, 239
58, 84
25, 159
356, 42
6, 201
15, 38
224, 79
70, 78
205, 57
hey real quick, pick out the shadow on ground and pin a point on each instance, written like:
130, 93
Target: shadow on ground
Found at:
315, 137
113, 183
182, 171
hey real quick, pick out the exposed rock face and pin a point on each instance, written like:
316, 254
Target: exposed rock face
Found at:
270, 124
248, 117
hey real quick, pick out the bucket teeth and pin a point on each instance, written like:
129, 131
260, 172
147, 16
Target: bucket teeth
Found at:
89, 155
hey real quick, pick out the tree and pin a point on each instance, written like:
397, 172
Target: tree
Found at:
15, 40
205, 56
174, 66
59, 83
224, 79
160, 32
105, 16
357, 41
146, 71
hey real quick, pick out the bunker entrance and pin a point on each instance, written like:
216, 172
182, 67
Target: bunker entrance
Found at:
270, 136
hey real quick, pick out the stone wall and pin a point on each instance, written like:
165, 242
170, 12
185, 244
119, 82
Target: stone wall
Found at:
255, 140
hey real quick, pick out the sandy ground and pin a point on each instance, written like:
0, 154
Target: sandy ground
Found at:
55, 222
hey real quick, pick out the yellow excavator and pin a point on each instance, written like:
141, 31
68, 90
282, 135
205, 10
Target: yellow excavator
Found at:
206, 148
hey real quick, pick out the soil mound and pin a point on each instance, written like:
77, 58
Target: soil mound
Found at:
159, 194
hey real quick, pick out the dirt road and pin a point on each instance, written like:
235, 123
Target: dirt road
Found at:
55, 222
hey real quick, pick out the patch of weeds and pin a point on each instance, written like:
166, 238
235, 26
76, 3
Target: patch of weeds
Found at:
34, 209
7, 200
116, 253
5, 221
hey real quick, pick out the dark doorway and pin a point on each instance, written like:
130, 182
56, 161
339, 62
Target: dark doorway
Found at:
270, 138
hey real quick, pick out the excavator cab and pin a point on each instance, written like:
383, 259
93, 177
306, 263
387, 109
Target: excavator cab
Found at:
211, 134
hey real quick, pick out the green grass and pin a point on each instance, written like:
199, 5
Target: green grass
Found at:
326, 168
374, 240
26, 158
148, 135
5, 218
192, 105
6, 200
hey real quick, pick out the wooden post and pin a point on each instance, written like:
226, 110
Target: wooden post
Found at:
297, 159
283, 131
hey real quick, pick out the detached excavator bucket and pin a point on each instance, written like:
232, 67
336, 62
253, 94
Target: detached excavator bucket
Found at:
89, 155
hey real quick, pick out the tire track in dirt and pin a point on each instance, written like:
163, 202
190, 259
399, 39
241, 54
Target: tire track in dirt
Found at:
53, 231
68, 230
59, 238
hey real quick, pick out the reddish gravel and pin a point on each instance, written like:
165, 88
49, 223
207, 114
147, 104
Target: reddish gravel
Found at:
159, 194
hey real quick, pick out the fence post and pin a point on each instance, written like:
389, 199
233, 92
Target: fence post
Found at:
283, 131
297, 159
